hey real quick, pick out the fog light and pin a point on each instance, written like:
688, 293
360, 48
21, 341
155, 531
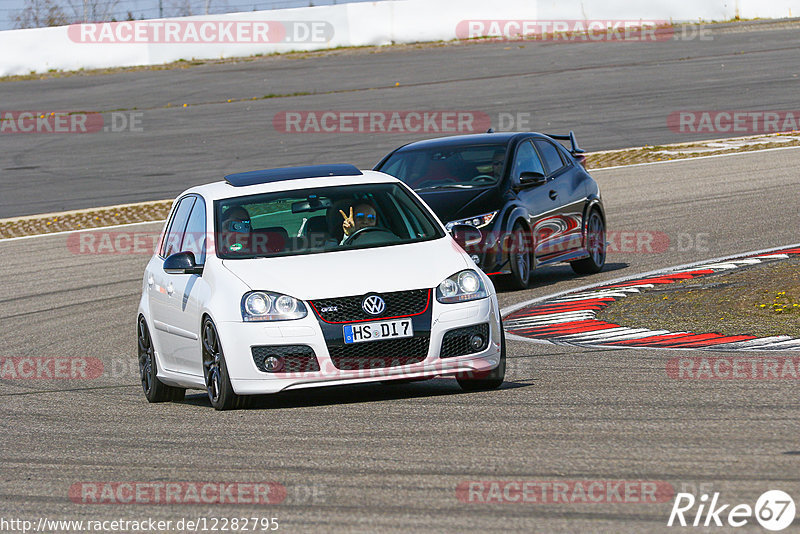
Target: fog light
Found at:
273, 364
476, 343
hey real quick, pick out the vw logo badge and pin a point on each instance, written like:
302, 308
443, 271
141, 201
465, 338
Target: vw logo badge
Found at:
373, 305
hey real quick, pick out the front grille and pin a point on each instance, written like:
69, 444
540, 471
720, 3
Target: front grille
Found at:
348, 309
380, 354
297, 358
456, 342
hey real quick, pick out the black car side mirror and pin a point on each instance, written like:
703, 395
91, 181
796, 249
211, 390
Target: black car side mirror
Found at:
466, 235
182, 263
532, 178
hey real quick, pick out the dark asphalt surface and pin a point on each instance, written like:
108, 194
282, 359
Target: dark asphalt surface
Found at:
389, 459
613, 95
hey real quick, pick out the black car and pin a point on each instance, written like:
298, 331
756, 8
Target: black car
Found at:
530, 197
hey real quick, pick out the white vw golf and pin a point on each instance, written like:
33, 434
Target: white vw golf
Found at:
312, 276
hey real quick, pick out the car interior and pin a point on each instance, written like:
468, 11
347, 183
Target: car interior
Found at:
304, 226
467, 165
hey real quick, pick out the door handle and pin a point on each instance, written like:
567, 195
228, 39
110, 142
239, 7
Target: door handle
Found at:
553, 194
170, 289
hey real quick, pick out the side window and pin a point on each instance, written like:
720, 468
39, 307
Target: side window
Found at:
565, 155
552, 159
194, 240
174, 235
526, 160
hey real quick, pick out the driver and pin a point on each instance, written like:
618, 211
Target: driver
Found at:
498, 158
363, 217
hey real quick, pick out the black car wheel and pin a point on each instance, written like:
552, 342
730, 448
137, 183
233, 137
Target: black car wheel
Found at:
485, 381
154, 389
520, 257
595, 244
218, 383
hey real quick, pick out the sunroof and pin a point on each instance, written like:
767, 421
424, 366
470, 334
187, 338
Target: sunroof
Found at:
290, 173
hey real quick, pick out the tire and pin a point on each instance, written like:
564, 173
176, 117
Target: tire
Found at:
595, 244
218, 382
520, 257
154, 389
488, 380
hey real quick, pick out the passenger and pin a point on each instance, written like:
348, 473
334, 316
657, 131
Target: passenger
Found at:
235, 230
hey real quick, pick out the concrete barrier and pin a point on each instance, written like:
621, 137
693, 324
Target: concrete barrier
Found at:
148, 42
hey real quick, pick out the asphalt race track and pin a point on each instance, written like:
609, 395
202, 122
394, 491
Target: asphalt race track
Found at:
614, 95
389, 458
382, 458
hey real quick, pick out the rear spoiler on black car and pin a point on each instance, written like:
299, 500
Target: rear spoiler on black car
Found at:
575, 150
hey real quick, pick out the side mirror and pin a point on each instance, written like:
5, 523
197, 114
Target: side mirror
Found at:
466, 235
532, 178
182, 263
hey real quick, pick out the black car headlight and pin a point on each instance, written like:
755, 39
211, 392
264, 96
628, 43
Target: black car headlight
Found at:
461, 287
266, 306
478, 221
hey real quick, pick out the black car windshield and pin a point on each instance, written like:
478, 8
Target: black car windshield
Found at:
457, 167
310, 221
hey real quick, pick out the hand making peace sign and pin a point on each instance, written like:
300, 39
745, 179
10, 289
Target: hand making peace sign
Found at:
349, 224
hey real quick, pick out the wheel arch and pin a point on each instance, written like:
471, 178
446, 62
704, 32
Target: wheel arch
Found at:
592, 203
513, 216
157, 354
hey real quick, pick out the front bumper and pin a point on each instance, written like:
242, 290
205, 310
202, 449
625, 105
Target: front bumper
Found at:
238, 338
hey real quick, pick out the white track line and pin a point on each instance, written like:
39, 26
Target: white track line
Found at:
590, 170
96, 229
682, 160
599, 338
680, 268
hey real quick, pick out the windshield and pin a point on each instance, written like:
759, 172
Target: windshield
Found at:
311, 221
457, 167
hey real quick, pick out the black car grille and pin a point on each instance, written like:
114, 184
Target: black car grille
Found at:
348, 309
380, 354
297, 358
456, 342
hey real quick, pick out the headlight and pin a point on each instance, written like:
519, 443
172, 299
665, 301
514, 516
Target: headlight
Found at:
264, 306
479, 221
257, 304
461, 287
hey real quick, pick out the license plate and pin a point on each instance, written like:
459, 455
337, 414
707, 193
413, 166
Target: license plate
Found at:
358, 333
